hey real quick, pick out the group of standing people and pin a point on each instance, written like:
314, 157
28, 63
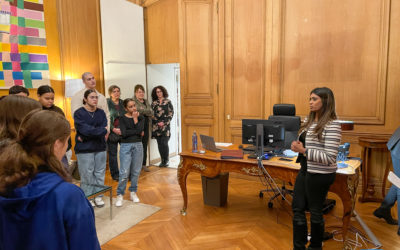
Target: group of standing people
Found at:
34, 138
102, 124
39, 207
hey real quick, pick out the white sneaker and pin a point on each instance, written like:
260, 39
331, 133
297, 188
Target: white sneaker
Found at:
120, 198
99, 202
134, 197
92, 203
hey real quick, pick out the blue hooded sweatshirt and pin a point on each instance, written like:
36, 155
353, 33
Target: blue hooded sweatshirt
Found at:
47, 213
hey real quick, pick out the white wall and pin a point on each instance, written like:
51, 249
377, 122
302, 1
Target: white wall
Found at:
123, 45
164, 74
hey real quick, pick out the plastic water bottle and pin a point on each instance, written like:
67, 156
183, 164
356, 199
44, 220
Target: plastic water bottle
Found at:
194, 142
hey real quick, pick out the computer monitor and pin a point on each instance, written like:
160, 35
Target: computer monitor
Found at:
274, 133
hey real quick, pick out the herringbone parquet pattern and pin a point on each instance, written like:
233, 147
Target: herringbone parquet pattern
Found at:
245, 223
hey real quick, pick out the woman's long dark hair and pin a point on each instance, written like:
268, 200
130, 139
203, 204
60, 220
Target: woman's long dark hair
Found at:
13, 109
326, 114
33, 149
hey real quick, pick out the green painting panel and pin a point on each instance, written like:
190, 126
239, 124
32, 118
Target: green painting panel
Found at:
14, 20
22, 40
24, 57
34, 66
20, 4
7, 66
21, 21
27, 79
34, 23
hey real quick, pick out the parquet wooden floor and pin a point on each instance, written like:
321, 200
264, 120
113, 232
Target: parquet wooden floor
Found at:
245, 223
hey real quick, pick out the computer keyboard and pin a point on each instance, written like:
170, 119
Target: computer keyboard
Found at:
254, 149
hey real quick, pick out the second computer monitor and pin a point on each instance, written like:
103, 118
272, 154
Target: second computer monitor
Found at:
274, 132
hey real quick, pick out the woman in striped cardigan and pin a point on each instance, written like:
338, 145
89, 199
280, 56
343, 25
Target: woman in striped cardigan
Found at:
318, 143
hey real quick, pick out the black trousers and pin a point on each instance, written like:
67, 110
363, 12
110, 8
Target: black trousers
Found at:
310, 192
112, 148
145, 140
162, 142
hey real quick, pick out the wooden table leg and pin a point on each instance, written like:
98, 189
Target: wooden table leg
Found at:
182, 176
346, 189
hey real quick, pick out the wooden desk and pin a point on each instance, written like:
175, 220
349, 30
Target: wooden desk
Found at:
210, 165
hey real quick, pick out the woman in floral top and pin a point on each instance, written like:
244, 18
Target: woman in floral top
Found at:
163, 113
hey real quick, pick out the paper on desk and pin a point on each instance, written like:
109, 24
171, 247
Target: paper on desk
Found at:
392, 177
223, 144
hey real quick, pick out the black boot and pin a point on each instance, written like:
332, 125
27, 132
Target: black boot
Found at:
166, 162
317, 235
398, 231
162, 164
327, 236
299, 236
384, 212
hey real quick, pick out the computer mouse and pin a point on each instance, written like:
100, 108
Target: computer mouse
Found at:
240, 146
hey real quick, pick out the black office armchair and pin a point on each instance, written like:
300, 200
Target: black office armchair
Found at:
285, 113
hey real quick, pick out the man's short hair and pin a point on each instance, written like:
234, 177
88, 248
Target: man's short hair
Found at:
16, 89
84, 75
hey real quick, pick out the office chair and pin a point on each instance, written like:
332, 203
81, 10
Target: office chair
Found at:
285, 113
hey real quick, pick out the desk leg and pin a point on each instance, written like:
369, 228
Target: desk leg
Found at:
182, 176
345, 186
348, 205
111, 204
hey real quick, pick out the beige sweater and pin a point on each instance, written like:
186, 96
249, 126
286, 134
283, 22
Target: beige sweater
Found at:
77, 102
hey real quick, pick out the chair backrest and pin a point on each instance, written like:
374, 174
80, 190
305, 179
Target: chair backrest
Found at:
286, 113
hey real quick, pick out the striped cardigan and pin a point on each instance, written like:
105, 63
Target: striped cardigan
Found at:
321, 155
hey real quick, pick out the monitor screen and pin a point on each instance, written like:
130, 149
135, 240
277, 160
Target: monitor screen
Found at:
292, 126
274, 132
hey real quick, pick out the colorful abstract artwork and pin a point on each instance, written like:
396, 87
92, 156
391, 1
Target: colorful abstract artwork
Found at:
23, 49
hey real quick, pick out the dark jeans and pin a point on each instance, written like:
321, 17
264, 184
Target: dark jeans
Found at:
112, 148
145, 140
310, 191
163, 148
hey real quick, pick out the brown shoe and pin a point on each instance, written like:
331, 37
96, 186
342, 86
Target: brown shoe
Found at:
145, 168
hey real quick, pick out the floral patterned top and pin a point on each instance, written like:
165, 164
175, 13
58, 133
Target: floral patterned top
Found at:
163, 112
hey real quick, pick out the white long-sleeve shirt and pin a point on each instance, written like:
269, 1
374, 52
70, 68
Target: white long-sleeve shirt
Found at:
77, 102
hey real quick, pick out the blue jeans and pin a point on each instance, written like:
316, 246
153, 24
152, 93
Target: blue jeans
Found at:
394, 192
92, 167
131, 158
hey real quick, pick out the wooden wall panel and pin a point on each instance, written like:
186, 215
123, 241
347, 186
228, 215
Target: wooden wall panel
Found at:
248, 60
198, 57
80, 39
342, 45
198, 53
161, 32
244, 62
